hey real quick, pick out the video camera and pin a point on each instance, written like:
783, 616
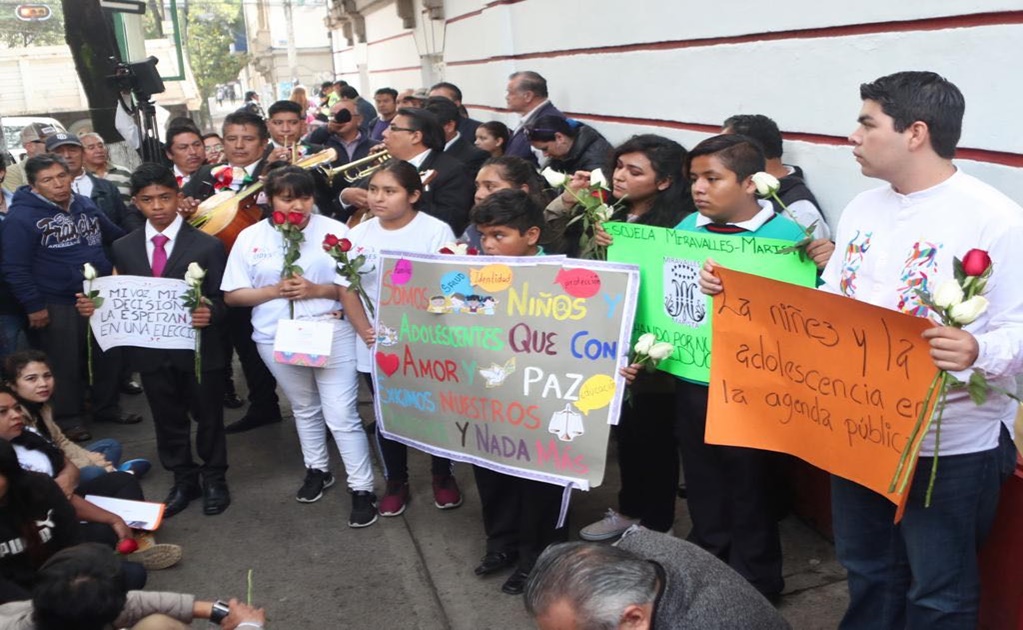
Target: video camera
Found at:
140, 77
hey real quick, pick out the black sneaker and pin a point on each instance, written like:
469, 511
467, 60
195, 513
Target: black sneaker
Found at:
364, 509
316, 481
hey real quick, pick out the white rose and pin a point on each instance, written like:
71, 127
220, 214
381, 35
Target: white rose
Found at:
967, 312
554, 178
597, 179
661, 351
603, 213
766, 184
948, 294
194, 274
644, 343
89, 272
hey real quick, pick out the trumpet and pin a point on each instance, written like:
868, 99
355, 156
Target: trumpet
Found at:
354, 171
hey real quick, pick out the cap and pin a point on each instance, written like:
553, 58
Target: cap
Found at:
61, 139
35, 132
421, 94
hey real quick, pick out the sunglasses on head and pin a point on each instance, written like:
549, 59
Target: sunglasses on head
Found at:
540, 134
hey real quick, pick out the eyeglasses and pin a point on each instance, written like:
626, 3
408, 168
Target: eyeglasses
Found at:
215, 148
408, 129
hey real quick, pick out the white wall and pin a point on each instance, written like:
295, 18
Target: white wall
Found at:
680, 68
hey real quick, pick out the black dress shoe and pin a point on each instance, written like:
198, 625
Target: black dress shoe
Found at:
495, 561
215, 498
516, 583
249, 422
180, 496
126, 418
131, 387
231, 401
77, 433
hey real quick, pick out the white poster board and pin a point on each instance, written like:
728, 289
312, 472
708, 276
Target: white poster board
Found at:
141, 312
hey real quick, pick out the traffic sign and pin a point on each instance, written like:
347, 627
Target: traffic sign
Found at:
33, 12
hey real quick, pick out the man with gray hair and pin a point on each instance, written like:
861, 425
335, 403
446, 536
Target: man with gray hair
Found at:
648, 581
527, 96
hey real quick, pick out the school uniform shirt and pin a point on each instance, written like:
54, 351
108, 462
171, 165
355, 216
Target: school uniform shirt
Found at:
764, 224
256, 261
423, 235
889, 245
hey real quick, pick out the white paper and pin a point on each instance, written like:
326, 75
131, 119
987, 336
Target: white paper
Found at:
136, 514
141, 312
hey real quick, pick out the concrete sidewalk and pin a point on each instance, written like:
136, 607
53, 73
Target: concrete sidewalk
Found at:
411, 572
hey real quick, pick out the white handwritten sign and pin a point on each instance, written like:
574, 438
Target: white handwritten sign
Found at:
142, 312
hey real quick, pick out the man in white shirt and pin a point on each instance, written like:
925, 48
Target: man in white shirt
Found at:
922, 572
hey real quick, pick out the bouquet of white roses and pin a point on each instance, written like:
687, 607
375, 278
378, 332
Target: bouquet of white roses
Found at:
594, 209
194, 299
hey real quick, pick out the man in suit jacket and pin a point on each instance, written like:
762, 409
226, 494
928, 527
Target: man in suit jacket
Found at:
416, 137
466, 126
164, 248
456, 145
245, 143
527, 96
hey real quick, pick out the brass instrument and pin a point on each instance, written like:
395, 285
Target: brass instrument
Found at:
354, 171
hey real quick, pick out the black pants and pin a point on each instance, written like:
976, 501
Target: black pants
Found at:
63, 341
394, 454
117, 485
648, 460
727, 496
263, 402
519, 515
173, 395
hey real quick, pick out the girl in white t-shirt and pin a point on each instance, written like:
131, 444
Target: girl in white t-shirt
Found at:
324, 397
396, 225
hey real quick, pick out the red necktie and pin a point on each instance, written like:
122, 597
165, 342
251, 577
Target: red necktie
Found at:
159, 255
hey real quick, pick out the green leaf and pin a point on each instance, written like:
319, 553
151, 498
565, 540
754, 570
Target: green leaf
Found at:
957, 271
92, 294
978, 388
97, 302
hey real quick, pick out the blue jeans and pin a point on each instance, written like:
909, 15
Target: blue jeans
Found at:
922, 572
109, 449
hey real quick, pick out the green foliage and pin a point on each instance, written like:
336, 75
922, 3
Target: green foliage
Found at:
210, 25
17, 34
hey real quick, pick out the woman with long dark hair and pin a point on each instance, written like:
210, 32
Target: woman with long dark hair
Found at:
647, 177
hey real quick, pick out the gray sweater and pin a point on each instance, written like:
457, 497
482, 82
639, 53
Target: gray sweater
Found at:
701, 591
140, 604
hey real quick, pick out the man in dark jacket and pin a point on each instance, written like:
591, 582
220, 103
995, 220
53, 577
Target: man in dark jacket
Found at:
48, 237
456, 145
649, 580
102, 192
416, 137
569, 145
245, 144
527, 97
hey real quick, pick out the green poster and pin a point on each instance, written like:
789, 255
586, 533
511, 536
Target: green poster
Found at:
670, 303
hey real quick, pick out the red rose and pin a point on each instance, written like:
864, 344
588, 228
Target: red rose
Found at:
127, 546
296, 218
329, 241
279, 218
345, 244
600, 194
976, 262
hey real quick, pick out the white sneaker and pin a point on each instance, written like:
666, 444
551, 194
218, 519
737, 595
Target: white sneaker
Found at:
611, 526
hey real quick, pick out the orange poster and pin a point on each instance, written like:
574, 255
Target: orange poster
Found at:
836, 382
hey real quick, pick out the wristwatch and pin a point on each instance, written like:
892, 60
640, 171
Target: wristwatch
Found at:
219, 612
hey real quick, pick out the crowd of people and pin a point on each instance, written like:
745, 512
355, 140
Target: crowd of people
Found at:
439, 177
